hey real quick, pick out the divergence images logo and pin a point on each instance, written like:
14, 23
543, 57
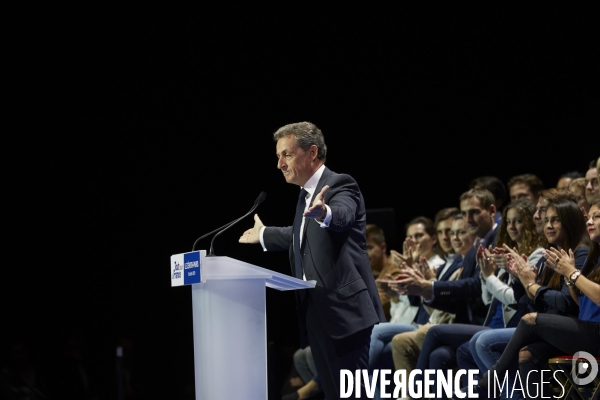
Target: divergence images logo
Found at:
584, 364
177, 270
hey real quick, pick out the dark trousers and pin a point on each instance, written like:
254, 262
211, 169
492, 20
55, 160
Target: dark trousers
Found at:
549, 336
440, 345
333, 355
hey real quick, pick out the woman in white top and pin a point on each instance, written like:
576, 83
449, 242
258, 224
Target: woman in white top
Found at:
517, 231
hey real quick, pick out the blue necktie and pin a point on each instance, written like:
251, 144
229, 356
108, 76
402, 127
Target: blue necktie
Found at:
297, 224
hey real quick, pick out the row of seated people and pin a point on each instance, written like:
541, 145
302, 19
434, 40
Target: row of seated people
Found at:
484, 303
476, 282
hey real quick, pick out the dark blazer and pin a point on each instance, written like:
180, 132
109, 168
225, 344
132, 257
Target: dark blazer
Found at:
559, 302
345, 295
463, 296
422, 315
456, 264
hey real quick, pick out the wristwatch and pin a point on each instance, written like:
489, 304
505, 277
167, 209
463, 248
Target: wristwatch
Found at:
573, 277
568, 282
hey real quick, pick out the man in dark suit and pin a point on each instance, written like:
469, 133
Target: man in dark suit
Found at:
327, 244
463, 296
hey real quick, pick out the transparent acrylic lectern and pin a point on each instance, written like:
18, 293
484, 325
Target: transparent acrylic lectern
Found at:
229, 322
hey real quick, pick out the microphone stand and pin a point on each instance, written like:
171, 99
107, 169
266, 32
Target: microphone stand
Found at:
261, 197
211, 252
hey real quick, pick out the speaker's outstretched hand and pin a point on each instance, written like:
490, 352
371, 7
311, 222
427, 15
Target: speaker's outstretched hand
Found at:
252, 235
317, 209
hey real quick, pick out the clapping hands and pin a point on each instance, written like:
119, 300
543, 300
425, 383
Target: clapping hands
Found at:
518, 265
401, 260
409, 250
560, 261
407, 281
383, 283
486, 261
423, 267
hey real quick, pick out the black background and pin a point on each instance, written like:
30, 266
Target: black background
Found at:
137, 128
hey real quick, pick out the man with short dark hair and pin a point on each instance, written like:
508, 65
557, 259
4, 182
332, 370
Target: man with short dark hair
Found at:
463, 296
525, 185
327, 244
494, 185
477, 205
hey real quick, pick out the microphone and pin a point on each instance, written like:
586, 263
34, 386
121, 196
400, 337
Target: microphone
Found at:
261, 197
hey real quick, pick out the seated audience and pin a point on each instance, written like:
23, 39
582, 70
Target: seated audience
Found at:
406, 346
445, 345
557, 334
404, 309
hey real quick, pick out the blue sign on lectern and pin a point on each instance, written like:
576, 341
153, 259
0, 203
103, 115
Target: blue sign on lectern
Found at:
186, 268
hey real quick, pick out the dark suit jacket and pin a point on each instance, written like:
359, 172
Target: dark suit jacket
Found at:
550, 301
463, 296
423, 316
456, 264
345, 295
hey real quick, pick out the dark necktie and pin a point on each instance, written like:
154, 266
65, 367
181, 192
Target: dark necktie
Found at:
297, 224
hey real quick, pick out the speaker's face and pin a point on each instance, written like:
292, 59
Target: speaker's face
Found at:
296, 164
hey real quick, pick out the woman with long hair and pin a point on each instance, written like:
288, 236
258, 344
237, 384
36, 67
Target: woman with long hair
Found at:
539, 337
447, 346
564, 228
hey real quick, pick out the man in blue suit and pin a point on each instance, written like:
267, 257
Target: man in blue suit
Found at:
327, 243
463, 296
